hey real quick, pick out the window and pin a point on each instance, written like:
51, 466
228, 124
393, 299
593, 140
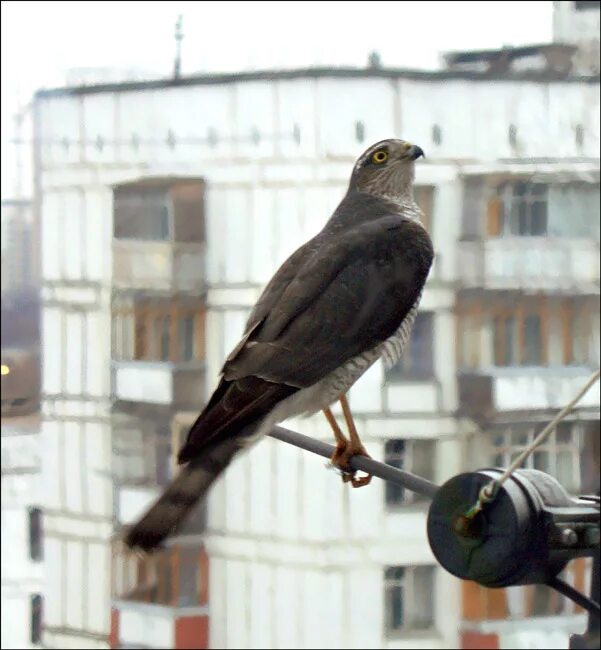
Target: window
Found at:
186, 337
408, 599
36, 619
159, 210
522, 210
416, 456
158, 330
35, 534
141, 452
582, 5
417, 361
141, 213
561, 456
528, 331
176, 576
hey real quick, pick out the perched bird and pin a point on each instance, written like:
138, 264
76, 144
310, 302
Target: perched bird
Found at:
344, 299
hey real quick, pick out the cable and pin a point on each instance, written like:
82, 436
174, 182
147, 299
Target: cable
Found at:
490, 490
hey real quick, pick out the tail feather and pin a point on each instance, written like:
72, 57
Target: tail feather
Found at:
171, 510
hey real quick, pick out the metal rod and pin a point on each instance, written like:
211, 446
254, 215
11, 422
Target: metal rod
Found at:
573, 594
369, 465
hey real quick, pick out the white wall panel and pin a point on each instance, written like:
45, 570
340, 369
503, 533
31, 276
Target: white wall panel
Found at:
54, 614
193, 111
236, 221
366, 394
236, 578
52, 465
255, 108
97, 593
288, 222
216, 204
99, 121
287, 480
342, 103
73, 245
97, 247
218, 603
296, 105
234, 322
236, 495
98, 351
52, 350
74, 585
287, 609
72, 467
74, 353
261, 603
263, 235
97, 468
145, 383
260, 491
52, 236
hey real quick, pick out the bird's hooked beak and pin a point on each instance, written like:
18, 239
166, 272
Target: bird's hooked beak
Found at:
415, 152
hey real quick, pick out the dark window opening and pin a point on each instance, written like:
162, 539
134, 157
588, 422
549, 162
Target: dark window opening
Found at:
35, 534
36, 619
409, 599
359, 131
171, 211
416, 456
417, 361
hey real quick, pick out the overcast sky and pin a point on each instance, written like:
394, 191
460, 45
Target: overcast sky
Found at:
41, 40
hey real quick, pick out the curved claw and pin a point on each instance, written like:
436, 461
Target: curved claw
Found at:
341, 457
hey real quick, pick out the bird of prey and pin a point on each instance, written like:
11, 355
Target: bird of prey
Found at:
344, 299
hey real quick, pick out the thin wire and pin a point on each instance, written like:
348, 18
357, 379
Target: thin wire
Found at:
490, 490
361, 463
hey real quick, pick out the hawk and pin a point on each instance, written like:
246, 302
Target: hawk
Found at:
344, 299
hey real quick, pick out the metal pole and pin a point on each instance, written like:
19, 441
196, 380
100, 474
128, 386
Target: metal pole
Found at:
369, 465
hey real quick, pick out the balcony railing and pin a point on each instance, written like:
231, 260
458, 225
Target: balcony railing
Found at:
532, 263
487, 392
158, 265
159, 382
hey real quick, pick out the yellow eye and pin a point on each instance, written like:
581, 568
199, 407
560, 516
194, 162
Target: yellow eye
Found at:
379, 157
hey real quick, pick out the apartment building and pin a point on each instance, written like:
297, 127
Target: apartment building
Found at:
164, 208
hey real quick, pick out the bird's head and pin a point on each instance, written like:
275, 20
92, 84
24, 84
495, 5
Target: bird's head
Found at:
386, 169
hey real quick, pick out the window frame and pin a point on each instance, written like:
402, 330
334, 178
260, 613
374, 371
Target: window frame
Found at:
505, 209
407, 584
405, 460
138, 331
174, 202
505, 450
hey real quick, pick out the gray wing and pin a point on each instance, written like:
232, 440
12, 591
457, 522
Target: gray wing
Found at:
331, 301
348, 296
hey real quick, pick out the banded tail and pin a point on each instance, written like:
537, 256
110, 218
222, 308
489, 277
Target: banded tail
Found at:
167, 515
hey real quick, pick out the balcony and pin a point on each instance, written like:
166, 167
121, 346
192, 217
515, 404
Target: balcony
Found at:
158, 265
160, 601
530, 263
181, 385
485, 393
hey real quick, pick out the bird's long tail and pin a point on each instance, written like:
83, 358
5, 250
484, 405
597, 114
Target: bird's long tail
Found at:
170, 511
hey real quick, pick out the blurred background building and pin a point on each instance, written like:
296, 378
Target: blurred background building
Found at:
161, 208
